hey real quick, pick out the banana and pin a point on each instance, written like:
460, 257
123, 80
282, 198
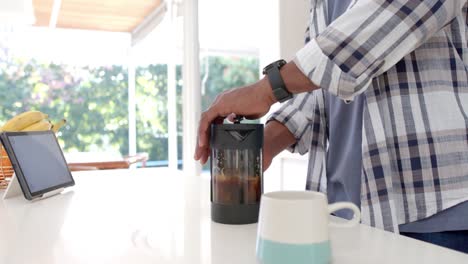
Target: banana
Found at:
23, 120
42, 125
58, 125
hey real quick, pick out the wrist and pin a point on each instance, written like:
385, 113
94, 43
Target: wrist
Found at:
277, 137
266, 91
294, 80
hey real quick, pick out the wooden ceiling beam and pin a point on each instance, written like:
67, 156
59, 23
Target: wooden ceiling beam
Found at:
105, 15
151, 21
42, 12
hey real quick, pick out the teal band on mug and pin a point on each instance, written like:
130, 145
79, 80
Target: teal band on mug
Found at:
271, 252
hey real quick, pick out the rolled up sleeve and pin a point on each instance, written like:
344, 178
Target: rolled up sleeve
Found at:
370, 38
298, 116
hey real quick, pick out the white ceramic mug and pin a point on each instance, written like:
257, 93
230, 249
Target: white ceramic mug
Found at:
293, 227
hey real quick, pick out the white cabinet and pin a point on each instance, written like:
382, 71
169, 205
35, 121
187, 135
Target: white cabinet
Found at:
287, 172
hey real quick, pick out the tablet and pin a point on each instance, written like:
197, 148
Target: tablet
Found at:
38, 162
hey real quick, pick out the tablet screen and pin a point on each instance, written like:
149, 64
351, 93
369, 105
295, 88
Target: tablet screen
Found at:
40, 159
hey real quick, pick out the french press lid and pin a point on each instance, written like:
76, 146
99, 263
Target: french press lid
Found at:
237, 135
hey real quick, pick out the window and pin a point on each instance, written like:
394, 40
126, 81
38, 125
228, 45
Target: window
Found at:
220, 73
93, 100
83, 76
152, 112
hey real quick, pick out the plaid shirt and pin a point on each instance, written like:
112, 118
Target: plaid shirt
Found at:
410, 59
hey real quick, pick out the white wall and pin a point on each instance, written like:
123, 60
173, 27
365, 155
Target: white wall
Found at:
284, 25
293, 17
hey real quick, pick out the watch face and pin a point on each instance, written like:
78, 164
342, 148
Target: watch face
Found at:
278, 64
281, 63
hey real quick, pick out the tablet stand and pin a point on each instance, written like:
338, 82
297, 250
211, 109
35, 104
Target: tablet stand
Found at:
14, 189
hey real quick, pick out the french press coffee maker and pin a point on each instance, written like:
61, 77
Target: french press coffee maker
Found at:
236, 172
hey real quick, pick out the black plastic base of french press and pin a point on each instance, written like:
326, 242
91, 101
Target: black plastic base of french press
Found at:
235, 214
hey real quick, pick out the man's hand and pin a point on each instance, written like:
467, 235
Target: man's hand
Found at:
277, 138
252, 101
267, 158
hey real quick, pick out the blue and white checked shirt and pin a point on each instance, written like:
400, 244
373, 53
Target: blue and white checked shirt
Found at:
410, 59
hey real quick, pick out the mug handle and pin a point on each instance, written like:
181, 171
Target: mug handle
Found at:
345, 205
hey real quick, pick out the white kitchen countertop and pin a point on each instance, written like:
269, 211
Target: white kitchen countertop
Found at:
159, 216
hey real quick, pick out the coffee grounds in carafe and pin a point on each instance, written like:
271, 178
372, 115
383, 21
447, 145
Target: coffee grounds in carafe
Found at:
236, 190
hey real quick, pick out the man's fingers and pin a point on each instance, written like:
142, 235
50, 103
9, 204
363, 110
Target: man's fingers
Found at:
203, 130
198, 152
208, 117
219, 120
202, 151
201, 154
205, 156
231, 117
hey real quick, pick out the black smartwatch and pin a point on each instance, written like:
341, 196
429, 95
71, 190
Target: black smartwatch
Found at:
276, 81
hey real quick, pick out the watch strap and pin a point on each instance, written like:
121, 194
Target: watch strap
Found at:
276, 81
